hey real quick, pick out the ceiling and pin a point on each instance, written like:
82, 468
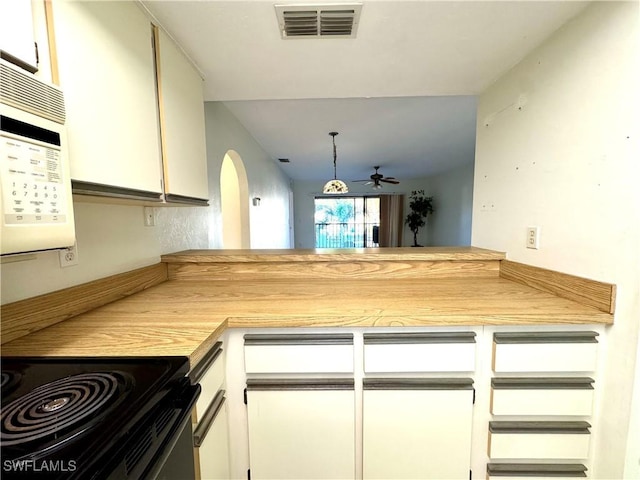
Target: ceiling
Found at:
401, 93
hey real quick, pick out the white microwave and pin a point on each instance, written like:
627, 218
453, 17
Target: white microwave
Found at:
36, 202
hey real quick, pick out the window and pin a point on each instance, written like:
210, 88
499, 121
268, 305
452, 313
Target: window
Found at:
347, 222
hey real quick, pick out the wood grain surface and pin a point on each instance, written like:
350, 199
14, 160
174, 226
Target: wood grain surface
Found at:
330, 255
102, 333
185, 318
30, 315
156, 316
307, 270
583, 290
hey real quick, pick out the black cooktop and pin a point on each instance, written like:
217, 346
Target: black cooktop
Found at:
64, 417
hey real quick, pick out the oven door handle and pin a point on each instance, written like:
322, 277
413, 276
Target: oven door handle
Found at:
208, 418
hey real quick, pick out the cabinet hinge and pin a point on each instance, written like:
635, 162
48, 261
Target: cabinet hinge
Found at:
35, 46
245, 396
473, 401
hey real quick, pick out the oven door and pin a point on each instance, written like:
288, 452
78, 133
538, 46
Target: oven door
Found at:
161, 445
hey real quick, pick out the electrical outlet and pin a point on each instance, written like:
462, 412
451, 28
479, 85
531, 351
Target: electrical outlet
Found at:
149, 217
533, 238
69, 256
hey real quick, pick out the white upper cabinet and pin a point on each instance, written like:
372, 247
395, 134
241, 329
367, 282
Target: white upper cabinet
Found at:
182, 122
106, 66
17, 39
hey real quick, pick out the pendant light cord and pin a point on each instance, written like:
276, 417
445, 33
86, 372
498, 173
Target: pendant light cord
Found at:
335, 155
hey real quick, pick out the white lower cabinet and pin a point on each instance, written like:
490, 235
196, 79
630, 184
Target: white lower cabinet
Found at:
574, 351
535, 471
568, 396
419, 352
301, 429
298, 353
555, 440
212, 444
417, 428
210, 417
400, 405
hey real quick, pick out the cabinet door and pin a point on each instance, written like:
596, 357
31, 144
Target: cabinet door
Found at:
182, 122
17, 41
301, 431
106, 65
417, 428
211, 438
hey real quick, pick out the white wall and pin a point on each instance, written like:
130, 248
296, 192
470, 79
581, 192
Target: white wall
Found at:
450, 223
269, 221
567, 162
452, 193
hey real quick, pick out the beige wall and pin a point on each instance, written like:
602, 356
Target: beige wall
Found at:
567, 162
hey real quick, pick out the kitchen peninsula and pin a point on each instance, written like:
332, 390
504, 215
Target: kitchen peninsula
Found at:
349, 334
195, 295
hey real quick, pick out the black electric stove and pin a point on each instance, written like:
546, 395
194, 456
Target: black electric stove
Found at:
92, 418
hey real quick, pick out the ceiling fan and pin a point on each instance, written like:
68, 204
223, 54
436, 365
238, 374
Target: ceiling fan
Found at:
376, 178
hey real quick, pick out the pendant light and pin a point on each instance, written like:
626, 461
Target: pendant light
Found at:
335, 186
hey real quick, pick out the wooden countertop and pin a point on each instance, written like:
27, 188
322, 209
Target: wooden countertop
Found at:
180, 317
402, 254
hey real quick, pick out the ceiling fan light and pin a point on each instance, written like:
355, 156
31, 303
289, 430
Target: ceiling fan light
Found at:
335, 186
377, 186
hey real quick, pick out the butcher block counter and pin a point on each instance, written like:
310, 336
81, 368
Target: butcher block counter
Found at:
184, 304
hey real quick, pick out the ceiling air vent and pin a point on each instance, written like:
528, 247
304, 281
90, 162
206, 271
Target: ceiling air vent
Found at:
318, 21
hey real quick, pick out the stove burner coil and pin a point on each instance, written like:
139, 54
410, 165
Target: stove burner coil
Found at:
8, 381
61, 408
5, 378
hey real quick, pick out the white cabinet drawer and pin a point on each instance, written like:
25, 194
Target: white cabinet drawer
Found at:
419, 352
542, 396
539, 440
535, 471
305, 353
209, 373
545, 352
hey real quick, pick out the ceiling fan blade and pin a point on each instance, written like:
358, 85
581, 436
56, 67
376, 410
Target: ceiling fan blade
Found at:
360, 181
390, 180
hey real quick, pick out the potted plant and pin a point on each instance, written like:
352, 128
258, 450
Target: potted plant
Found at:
420, 206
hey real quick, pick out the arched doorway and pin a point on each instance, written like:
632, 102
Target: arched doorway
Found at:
234, 192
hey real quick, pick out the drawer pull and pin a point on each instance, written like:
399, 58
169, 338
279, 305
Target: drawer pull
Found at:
551, 383
539, 427
208, 418
435, 337
302, 339
546, 337
203, 365
418, 384
570, 470
302, 384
